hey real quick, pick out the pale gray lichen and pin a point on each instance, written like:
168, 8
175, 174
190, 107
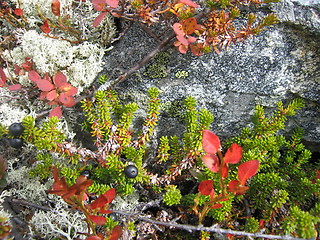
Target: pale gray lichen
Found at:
80, 15
58, 222
80, 63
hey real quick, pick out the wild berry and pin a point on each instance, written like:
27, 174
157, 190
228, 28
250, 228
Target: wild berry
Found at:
16, 129
113, 216
131, 171
16, 142
86, 173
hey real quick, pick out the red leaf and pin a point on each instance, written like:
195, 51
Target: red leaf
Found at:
68, 89
99, 18
247, 170
99, 202
34, 76
116, 233
182, 39
177, 28
189, 25
3, 78
67, 100
210, 142
217, 205
45, 27
93, 238
51, 95
104, 199
112, 3
224, 171
189, 3
212, 162
56, 112
206, 187
233, 154
236, 187
55, 7
110, 195
99, 220
45, 85
183, 49
59, 79
15, 87
18, 12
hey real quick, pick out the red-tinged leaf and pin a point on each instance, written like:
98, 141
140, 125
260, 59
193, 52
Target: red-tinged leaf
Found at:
45, 85
233, 154
191, 39
183, 40
18, 12
59, 79
99, 5
68, 89
67, 100
247, 170
183, 49
55, 7
110, 195
51, 95
93, 238
99, 202
217, 205
112, 3
99, 18
178, 29
34, 76
43, 95
15, 87
224, 171
206, 187
189, 3
212, 162
57, 111
104, 211
72, 91
45, 27
189, 25
236, 187
18, 70
3, 78
116, 233
99, 220
210, 142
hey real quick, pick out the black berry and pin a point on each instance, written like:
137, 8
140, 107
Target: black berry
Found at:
113, 216
86, 173
16, 129
16, 142
131, 171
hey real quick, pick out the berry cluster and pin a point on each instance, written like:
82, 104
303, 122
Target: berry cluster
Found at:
15, 130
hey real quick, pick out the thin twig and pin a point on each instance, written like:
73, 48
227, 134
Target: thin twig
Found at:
25, 203
214, 228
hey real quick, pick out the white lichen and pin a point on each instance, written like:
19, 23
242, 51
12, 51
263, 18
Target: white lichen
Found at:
80, 63
59, 222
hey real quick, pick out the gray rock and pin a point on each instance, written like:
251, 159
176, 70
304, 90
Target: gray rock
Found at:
280, 64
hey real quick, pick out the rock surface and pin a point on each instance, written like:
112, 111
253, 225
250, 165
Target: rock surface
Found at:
280, 64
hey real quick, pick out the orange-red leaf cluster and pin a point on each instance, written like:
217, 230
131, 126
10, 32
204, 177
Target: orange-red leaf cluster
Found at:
56, 90
217, 163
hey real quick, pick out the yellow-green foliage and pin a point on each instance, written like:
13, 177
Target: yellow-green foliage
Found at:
301, 222
172, 195
45, 137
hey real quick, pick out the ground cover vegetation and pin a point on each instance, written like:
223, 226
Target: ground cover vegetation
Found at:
118, 180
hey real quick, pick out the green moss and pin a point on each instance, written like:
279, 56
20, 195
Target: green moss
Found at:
172, 195
158, 69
